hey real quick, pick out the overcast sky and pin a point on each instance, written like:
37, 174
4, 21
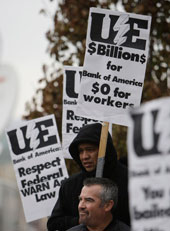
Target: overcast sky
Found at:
23, 44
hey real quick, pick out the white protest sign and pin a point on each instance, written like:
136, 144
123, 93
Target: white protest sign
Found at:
71, 123
114, 67
38, 163
149, 166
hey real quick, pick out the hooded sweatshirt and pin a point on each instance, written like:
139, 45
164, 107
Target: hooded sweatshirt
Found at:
65, 211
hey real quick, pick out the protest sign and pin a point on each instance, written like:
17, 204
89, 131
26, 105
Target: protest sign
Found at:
149, 166
71, 123
38, 163
114, 67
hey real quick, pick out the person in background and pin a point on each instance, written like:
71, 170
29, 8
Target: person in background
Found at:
84, 150
97, 201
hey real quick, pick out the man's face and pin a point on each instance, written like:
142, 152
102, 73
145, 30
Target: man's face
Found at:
91, 212
88, 155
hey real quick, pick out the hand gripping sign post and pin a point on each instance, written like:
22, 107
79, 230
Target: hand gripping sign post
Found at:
38, 163
114, 66
149, 166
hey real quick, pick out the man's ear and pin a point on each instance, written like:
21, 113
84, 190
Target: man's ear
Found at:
109, 205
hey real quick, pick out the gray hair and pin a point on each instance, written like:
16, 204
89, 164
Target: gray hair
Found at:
109, 189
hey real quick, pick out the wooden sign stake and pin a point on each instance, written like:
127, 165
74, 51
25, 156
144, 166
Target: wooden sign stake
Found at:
102, 149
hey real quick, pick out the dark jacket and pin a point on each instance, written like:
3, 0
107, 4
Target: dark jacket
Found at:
65, 211
113, 226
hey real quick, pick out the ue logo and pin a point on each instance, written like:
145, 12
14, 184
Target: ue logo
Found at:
34, 135
123, 30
